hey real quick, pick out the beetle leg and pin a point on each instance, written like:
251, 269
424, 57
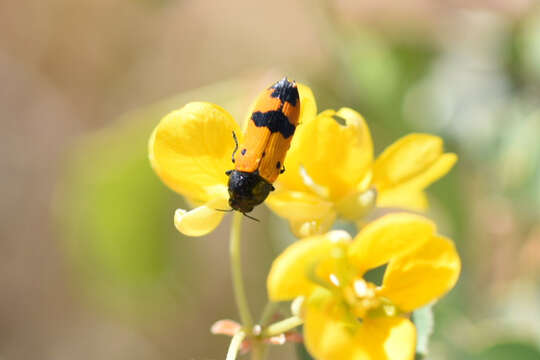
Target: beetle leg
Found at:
236, 146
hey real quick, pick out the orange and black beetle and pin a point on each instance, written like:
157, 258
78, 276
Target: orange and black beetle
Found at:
267, 139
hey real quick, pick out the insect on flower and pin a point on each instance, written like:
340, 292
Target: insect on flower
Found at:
262, 153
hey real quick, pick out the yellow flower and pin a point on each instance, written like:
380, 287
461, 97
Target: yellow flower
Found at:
191, 149
329, 169
330, 172
348, 318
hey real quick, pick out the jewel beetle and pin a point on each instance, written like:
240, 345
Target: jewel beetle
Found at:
259, 159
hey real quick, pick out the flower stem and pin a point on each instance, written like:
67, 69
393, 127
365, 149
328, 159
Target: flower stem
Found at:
236, 269
236, 342
282, 326
268, 311
258, 351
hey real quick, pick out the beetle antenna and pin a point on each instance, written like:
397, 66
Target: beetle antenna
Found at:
251, 217
222, 210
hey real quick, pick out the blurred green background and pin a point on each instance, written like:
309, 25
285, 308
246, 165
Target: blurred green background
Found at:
91, 265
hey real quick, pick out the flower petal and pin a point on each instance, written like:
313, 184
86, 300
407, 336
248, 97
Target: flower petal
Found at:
191, 149
398, 335
288, 277
302, 229
403, 197
297, 205
335, 150
357, 205
423, 275
201, 220
308, 105
433, 173
331, 333
410, 157
328, 331
388, 237
308, 214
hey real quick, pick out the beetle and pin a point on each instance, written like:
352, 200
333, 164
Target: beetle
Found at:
268, 137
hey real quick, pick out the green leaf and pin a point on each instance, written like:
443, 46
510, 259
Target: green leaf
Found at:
424, 321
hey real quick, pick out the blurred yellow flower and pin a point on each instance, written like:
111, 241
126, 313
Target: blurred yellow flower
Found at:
191, 149
331, 171
348, 318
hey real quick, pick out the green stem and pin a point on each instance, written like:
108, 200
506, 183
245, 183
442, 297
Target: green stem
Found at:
236, 269
269, 310
258, 350
236, 342
282, 326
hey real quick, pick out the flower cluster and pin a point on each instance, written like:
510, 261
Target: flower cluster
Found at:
346, 317
330, 173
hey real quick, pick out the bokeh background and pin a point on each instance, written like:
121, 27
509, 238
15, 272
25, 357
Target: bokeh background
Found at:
90, 264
